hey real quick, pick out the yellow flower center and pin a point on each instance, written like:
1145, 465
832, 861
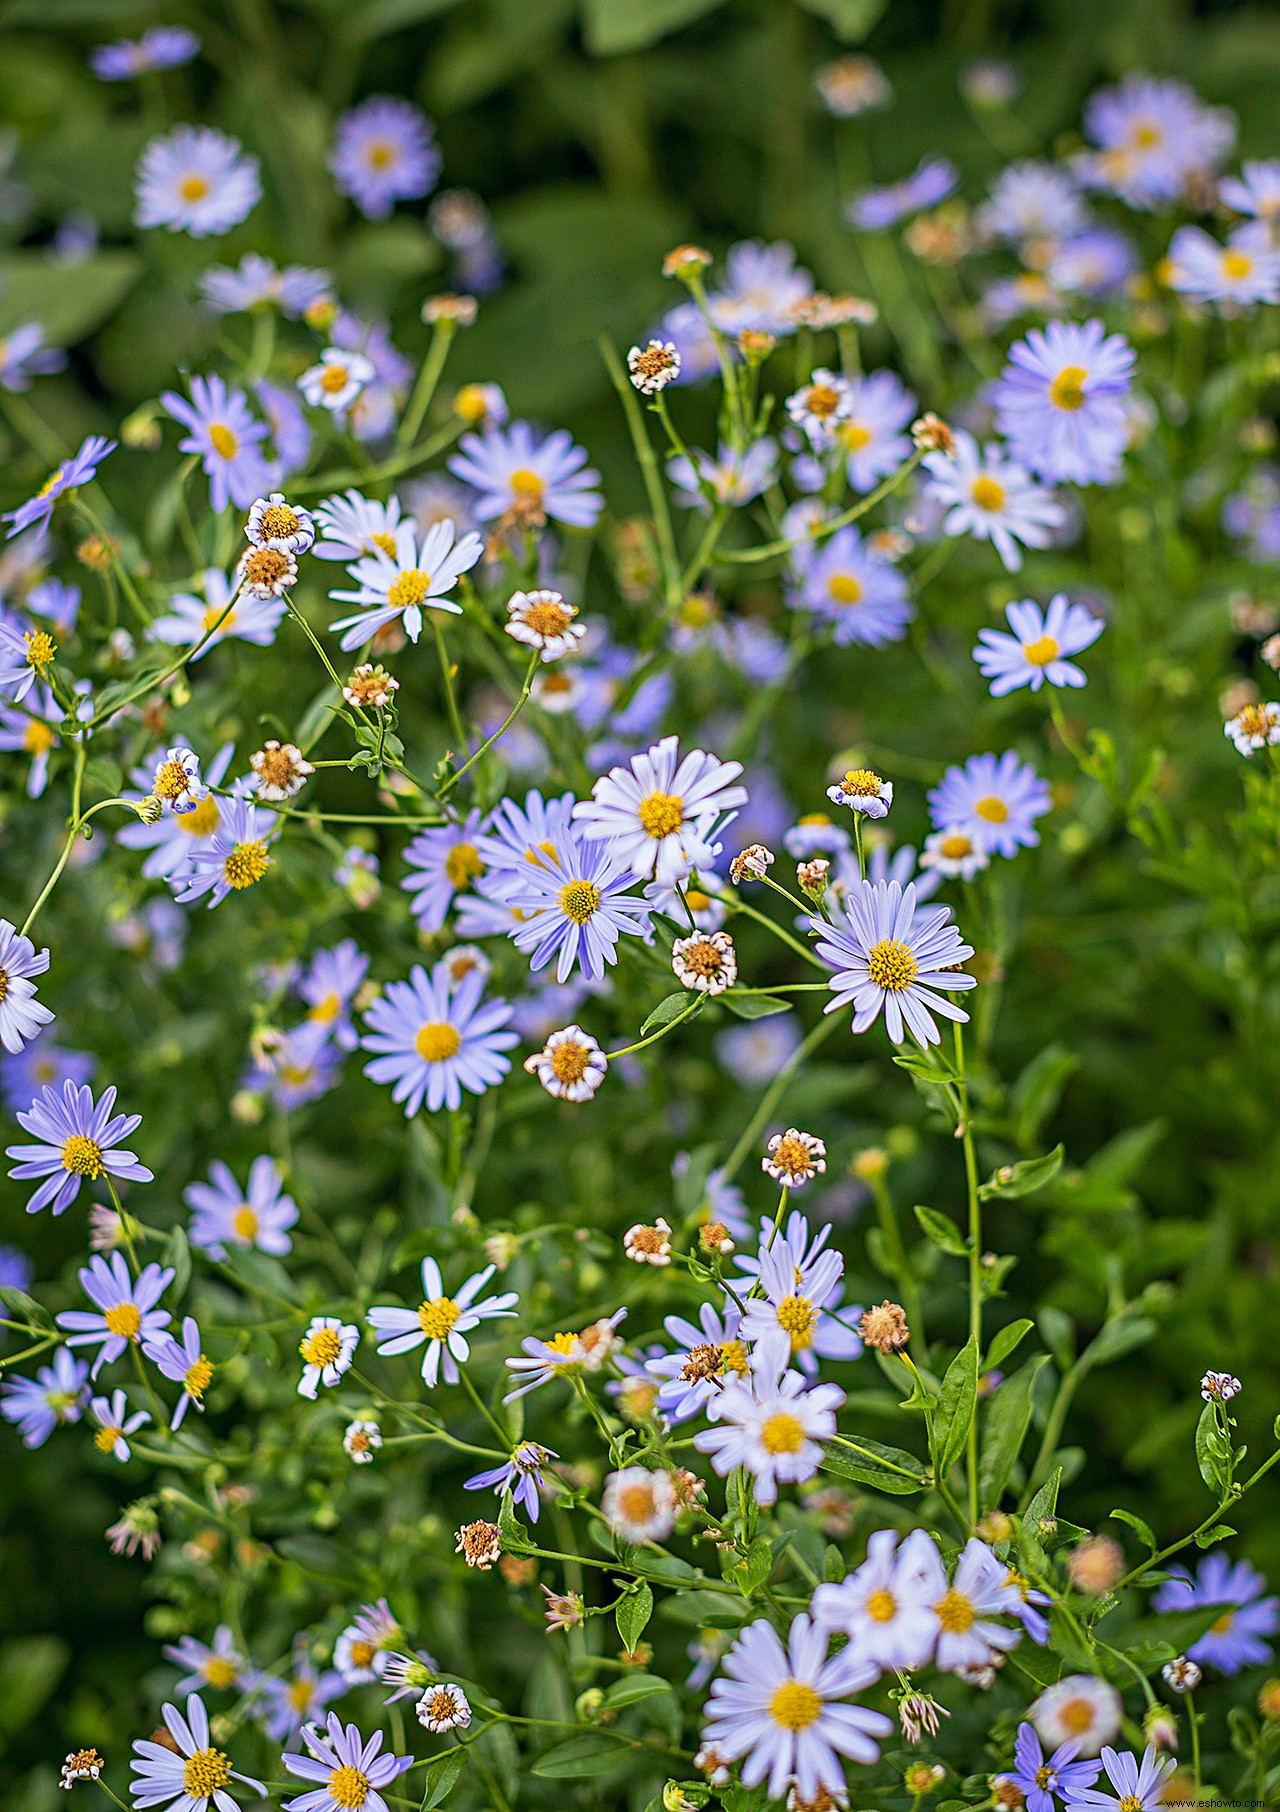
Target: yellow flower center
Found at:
955, 1613
986, 493
798, 1317
202, 821
1130, 1803
247, 863
198, 1377
171, 781
462, 864
661, 814
579, 901
123, 1318
218, 613
546, 619
410, 588
1223, 1625
219, 1672
843, 588
193, 187
635, 1503
322, 1346
1147, 136
205, 1774
822, 400
782, 1433
1077, 1717
882, 1606
697, 901
853, 436
570, 1061
861, 783
991, 809
563, 1346
385, 544
733, 1358
1044, 1775
1253, 721
1042, 652
223, 440
795, 1705
326, 1010
438, 1041
381, 154
38, 738
83, 1156
794, 1157
333, 378
813, 818
362, 1653
245, 1223
526, 483
437, 1319
955, 846
348, 1788
41, 649
279, 521
892, 965
266, 566
105, 1438
1236, 263
471, 404
1067, 389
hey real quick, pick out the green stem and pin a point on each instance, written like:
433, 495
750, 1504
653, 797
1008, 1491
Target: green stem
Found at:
771, 549
502, 729
769, 1100
658, 505
975, 1253
425, 387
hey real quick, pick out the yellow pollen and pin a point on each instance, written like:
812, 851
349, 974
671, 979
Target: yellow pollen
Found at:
1067, 389
83, 1156
955, 1613
193, 188
247, 863
203, 820
244, 1223
569, 1061
1042, 652
526, 483
733, 1358
853, 436
322, 1346
327, 1009
362, 1653
881, 1606
636, 1503
381, 154
462, 864
795, 1705
1130, 1803
278, 521
1224, 1623
224, 441
843, 588
782, 1433
171, 781
38, 738
661, 814
219, 1672
218, 613
794, 1157
41, 649
438, 1041
1236, 263
1254, 721
986, 493
54, 478
471, 403
198, 1378
563, 1345
697, 902
991, 810
410, 588
862, 783
822, 399
205, 1774
437, 1319
266, 565
123, 1318
334, 378
299, 1693
892, 965
385, 544
1044, 1775
797, 1317
348, 1788
813, 818
105, 1438
956, 846
579, 901
546, 619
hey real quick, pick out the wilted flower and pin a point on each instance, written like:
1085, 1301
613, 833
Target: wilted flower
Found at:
1219, 1387
81, 1765
752, 863
479, 1544
564, 1610
1181, 1675
443, 1708
654, 366
280, 769
705, 962
571, 1065
648, 1244
885, 1328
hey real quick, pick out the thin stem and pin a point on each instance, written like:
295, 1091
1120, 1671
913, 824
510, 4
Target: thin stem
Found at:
652, 477
771, 1096
771, 549
425, 387
965, 1130
502, 729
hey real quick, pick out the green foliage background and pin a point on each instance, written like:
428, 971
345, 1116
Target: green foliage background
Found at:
600, 134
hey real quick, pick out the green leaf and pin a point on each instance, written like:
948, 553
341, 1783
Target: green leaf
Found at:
1116, 1339
941, 1231
756, 1568
959, 1402
383, 16
670, 1007
580, 1758
1038, 1090
24, 1307
886, 1468
1007, 1341
1208, 1538
934, 1069
634, 1688
1058, 1332
177, 1253
633, 1615
1045, 1501
104, 772
1213, 1452
611, 26
1141, 1530
754, 1006
1005, 1424
30, 1668
1023, 1178
441, 1775
850, 20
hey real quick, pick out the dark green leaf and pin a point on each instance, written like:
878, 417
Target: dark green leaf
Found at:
1141, 1530
440, 1777
25, 1308
940, 1230
611, 26
1023, 1178
871, 1463
670, 1007
956, 1411
633, 1615
581, 1758
1005, 1424
1007, 1341
754, 1006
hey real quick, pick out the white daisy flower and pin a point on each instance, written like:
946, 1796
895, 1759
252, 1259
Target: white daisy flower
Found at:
895, 959
1081, 1710
775, 1430
360, 1441
884, 1606
862, 791
658, 814
412, 577
542, 619
654, 366
443, 1708
195, 180
337, 380
571, 1065
328, 1348
1037, 650
794, 1158
639, 1505
820, 405
440, 1321
352, 526
1256, 727
190, 1774
275, 522
954, 853
991, 497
